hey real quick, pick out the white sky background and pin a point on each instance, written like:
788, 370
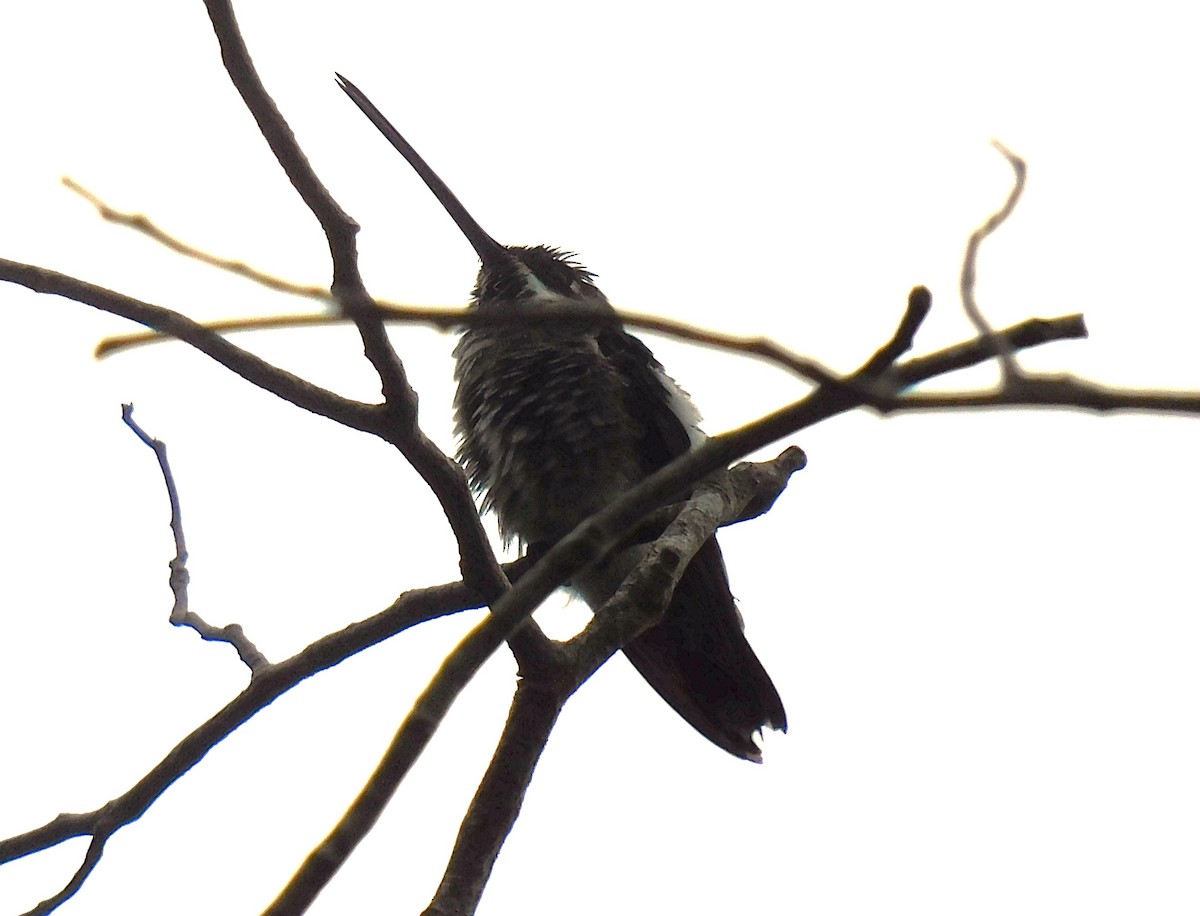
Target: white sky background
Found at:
984, 627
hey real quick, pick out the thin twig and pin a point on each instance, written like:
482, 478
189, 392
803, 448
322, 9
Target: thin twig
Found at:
1009, 370
118, 343
178, 564
447, 318
257, 371
443, 318
410, 609
1032, 332
1055, 391
139, 222
181, 614
920, 301
91, 859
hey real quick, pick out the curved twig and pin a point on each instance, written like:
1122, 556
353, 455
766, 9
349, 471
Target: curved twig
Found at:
181, 614
445, 318
410, 609
257, 371
140, 222
1009, 370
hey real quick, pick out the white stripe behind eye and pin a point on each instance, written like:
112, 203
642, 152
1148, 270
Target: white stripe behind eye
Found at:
539, 289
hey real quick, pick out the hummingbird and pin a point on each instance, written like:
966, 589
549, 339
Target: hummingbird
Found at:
558, 420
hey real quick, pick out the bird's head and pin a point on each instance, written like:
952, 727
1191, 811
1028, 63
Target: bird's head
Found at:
507, 274
532, 274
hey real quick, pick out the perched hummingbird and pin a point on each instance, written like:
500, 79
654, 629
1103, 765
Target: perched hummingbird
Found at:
557, 421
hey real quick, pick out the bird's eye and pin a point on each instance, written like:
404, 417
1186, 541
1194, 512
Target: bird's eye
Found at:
502, 285
559, 278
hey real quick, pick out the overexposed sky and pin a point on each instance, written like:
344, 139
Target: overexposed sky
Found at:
984, 627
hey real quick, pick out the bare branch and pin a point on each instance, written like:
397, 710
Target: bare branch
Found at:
120, 342
1008, 364
179, 572
445, 318
637, 605
442, 474
1032, 332
253, 369
451, 318
181, 615
139, 222
497, 802
583, 544
1056, 391
91, 859
766, 481
441, 317
587, 543
880, 383
643, 597
340, 230
919, 303
724, 498
399, 416
410, 609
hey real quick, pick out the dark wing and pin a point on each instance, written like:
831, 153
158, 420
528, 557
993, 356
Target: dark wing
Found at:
664, 434
698, 658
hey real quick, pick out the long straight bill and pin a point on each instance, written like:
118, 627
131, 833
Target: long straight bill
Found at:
489, 250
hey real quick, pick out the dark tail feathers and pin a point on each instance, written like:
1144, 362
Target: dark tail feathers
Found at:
699, 661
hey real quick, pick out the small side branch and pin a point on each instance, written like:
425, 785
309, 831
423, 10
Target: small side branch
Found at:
139, 222
181, 614
1033, 332
410, 609
91, 859
253, 369
920, 301
1009, 371
444, 318
1055, 391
